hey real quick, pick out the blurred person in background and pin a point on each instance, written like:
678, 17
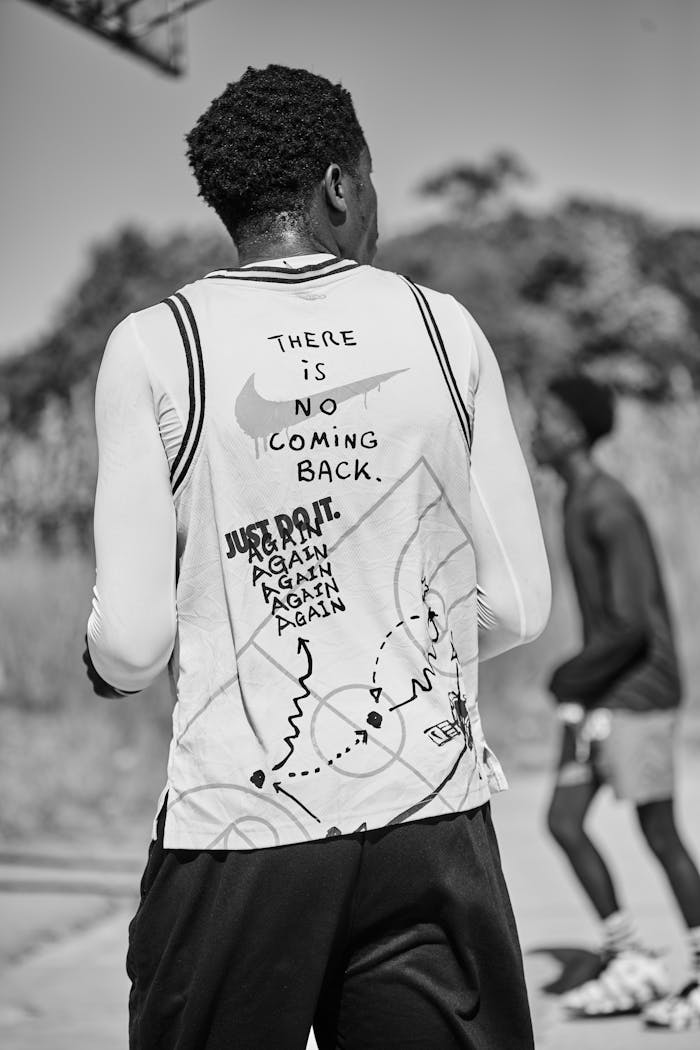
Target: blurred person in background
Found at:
618, 703
311, 504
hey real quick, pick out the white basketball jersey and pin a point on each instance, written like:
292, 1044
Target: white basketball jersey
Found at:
326, 657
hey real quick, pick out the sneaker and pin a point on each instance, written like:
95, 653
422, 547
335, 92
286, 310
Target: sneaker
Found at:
677, 1012
631, 980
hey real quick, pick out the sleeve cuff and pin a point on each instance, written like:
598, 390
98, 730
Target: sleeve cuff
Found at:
99, 685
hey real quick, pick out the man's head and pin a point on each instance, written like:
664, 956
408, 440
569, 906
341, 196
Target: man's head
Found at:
572, 414
282, 150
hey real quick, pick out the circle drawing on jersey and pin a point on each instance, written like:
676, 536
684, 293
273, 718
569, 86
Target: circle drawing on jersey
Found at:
342, 734
273, 806
247, 828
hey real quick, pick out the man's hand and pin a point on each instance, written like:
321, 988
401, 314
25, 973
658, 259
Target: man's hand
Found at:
571, 713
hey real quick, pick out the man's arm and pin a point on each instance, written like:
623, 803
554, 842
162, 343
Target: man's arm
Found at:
514, 594
131, 630
623, 638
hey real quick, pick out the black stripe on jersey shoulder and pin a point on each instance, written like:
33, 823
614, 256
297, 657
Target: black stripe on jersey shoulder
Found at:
455, 386
284, 275
201, 389
436, 339
196, 391
190, 373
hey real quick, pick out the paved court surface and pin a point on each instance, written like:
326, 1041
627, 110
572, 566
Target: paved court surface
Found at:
62, 980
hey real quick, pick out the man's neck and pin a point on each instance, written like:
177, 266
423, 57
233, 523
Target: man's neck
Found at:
284, 245
577, 469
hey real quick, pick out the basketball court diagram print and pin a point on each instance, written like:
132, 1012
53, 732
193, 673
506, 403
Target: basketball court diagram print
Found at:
408, 706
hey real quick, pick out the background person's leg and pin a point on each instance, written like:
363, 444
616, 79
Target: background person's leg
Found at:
576, 787
682, 1009
435, 960
565, 820
656, 819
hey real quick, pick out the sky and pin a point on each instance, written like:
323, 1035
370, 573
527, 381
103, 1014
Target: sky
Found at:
597, 96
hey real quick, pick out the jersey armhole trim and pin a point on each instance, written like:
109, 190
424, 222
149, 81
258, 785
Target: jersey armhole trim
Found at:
443, 359
189, 333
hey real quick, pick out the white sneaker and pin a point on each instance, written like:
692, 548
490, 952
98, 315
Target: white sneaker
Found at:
630, 981
677, 1012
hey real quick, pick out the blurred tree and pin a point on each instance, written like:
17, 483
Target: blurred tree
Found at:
476, 192
126, 272
585, 283
47, 439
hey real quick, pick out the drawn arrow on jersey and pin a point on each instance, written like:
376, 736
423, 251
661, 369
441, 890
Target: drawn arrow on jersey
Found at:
302, 645
280, 791
260, 417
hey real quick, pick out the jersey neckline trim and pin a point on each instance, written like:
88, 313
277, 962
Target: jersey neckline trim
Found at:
269, 274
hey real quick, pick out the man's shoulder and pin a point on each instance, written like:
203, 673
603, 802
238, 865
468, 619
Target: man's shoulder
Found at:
441, 307
161, 311
144, 331
610, 503
431, 294
606, 489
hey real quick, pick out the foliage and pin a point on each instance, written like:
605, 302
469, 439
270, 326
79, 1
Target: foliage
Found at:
583, 284
47, 439
475, 192
128, 271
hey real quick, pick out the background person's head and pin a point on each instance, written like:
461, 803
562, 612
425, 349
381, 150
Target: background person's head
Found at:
573, 413
281, 154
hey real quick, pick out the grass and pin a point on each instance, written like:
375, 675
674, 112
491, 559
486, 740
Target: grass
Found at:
70, 763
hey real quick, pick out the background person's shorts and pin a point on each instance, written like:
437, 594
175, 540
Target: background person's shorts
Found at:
636, 758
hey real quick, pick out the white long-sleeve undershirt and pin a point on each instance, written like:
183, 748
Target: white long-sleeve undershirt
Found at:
132, 627
511, 562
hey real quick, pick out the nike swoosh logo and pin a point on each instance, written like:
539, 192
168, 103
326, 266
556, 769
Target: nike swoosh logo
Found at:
259, 417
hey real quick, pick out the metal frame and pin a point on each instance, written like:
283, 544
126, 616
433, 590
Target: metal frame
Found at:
117, 21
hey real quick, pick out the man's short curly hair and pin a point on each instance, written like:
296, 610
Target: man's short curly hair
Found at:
263, 144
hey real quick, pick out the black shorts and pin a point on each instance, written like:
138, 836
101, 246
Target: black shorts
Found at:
401, 938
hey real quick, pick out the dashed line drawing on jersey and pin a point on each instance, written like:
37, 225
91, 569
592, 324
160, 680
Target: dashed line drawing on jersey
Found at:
361, 737
424, 682
330, 706
376, 693
259, 417
302, 645
359, 731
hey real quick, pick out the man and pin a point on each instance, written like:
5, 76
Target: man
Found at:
310, 494
618, 702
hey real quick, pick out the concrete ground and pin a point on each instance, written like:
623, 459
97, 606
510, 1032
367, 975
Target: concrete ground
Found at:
64, 926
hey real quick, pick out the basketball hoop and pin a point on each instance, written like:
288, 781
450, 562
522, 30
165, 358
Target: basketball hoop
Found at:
152, 30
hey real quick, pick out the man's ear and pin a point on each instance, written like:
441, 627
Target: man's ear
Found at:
333, 186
